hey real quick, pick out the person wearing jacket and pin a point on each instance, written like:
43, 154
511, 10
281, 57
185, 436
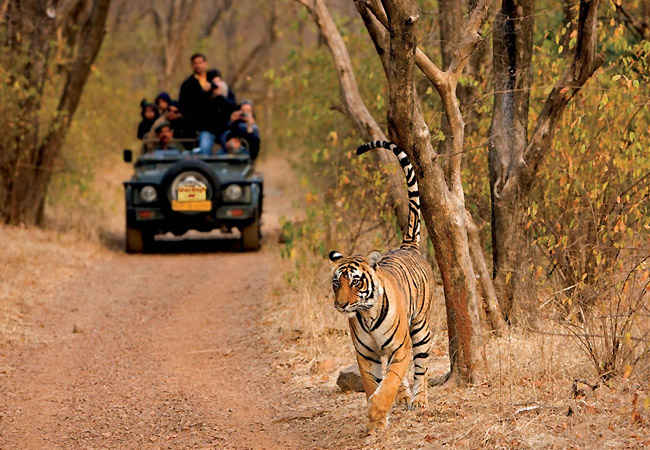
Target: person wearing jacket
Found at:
194, 99
175, 119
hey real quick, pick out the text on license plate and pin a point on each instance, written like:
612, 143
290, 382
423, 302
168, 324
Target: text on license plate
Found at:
205, 205
191, 193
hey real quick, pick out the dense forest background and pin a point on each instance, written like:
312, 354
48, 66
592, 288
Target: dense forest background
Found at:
585, 219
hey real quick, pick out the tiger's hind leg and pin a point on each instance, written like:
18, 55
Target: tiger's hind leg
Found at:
421, 337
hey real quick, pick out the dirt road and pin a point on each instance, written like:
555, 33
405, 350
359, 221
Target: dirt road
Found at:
159, 350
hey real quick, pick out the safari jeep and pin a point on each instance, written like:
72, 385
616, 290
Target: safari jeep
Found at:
176, 191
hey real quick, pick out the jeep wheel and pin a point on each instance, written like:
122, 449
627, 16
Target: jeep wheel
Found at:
137, 241
251, 235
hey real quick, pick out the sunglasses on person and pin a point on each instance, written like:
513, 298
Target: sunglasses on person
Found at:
175, 111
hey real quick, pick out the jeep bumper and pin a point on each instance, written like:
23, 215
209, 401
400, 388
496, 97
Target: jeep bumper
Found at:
160, 221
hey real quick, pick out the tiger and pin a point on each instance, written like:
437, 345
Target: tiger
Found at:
387, 298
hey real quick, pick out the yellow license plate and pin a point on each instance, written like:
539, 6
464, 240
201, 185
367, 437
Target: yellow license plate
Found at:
191, 193
205, 205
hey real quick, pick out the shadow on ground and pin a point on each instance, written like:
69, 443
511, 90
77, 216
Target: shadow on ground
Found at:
195, 244
190, 243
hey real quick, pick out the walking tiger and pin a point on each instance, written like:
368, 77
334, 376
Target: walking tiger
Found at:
387, 298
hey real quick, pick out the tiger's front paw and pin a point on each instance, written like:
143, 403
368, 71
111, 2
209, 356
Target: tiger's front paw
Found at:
420, 401
377, 420
375, 426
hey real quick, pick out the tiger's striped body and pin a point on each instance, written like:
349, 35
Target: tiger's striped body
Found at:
387, 299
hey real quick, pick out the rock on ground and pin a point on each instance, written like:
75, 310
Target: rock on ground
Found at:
349, 379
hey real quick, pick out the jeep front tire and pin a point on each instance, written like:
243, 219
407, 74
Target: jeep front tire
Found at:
251, 236
137, 241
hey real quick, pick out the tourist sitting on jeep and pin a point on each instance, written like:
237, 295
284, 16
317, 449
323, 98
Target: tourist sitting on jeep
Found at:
177, 122
165, 136
234, 144
162, 102
148, 112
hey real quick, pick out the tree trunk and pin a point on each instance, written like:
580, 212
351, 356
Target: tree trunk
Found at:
443, 209
175, 31
30, 163
450, 18
512, 54
491, 306
450, 13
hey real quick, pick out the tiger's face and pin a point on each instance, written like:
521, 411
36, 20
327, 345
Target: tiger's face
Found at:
353, 283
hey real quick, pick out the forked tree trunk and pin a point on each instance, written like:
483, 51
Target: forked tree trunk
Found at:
443, 203
450, 19
174, 28
391, 26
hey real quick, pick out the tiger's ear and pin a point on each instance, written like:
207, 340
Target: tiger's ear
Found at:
335, 256
373, 259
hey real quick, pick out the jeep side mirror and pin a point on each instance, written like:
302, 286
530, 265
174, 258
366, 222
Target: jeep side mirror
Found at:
127, 155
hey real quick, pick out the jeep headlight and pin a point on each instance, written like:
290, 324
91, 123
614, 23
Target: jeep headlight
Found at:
233, 193
148, 194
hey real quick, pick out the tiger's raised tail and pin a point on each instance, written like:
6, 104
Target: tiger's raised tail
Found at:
412, 235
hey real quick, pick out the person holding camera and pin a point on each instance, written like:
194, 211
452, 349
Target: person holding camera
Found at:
242, 123
220, 88
222, 104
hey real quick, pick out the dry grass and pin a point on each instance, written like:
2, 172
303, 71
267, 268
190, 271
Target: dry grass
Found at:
96, 212
33, 265
80, 230
523, 397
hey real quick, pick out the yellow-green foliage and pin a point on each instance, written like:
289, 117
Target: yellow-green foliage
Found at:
589, 212
588, 209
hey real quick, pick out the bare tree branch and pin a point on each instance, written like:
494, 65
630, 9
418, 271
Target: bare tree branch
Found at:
585, 62
375, 28
216, 18
253, 58
638, 26
155, 15
471, 37
354, 105
431, 70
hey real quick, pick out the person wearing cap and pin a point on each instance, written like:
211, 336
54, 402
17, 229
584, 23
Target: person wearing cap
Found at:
162, 102
148, 112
